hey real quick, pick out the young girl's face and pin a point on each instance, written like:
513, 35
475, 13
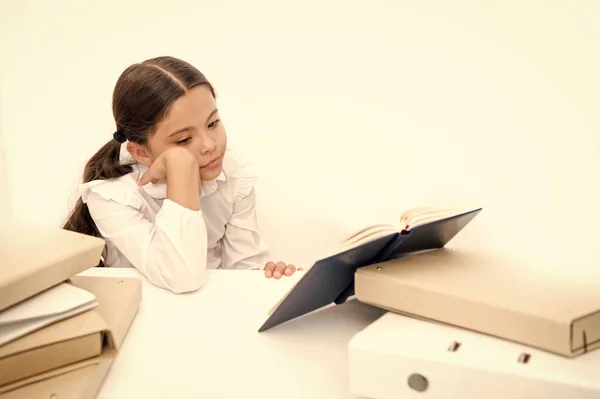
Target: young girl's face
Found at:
193, 122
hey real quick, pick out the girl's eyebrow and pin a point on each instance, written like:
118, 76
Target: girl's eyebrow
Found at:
214, 111
184, 129
188, 128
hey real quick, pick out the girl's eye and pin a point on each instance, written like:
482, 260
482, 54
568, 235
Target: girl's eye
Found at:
214, 124
184, 141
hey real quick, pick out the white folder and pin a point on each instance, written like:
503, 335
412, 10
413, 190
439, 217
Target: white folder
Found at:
403, 357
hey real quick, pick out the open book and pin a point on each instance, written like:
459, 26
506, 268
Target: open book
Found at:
408, 220
331, 279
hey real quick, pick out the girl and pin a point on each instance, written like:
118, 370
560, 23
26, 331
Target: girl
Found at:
165, 193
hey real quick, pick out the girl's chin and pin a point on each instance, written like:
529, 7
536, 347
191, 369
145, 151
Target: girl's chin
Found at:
208, 175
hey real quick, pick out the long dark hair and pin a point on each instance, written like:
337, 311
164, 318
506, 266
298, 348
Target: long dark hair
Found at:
141, 98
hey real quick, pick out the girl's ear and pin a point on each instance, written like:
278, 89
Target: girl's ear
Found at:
140, 153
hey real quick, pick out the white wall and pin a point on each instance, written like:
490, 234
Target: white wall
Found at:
353, 110
5, 211
4, 198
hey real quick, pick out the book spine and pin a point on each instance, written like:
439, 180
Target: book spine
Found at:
389, 249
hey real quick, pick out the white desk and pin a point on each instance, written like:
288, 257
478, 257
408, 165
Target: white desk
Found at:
206, 345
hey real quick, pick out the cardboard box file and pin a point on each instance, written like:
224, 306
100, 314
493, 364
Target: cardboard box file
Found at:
65, 342
489, 294
33, 260
119, 300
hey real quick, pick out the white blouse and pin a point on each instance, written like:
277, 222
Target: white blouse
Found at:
173, 245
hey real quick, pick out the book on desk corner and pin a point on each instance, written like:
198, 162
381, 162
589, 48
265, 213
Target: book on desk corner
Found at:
331, 278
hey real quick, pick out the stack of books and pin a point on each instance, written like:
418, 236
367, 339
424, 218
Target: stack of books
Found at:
59, 331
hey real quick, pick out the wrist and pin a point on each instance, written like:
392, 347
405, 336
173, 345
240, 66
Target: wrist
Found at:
183, 181
182, 170
180, 157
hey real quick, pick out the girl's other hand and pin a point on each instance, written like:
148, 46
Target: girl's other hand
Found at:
279, 269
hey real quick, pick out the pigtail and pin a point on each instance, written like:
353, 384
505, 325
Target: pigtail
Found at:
104, 165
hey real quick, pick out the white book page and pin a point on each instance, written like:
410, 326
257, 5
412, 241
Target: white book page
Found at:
55, 304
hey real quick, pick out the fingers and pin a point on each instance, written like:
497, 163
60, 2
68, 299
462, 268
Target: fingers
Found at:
279, 269
289, 270
269, 267
145, 179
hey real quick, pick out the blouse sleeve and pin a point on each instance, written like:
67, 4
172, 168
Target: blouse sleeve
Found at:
243, 245
171, 251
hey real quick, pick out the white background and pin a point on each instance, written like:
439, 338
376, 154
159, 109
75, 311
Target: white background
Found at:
353, 110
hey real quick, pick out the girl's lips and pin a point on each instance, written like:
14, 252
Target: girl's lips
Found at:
213, 163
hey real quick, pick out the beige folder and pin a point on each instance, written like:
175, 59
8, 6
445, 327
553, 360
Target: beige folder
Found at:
35, 259
65, 342
489, 294
76, 353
